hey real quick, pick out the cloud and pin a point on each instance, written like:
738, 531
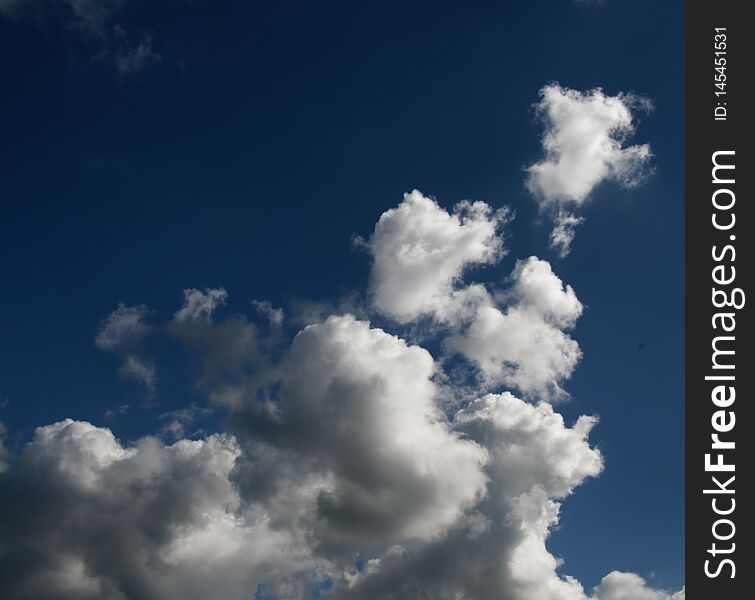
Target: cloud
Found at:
348, 456
139, 369
628, 586
3, 449
344, 467
122, 333
564, 230
515, 338
584, 144
130, 56
82, 516
228, 351
94, 23
91, 16
178, 420
199, 305
420, 252
273, 315
353, 446
121, 409
497, 550
524, 346
122, 328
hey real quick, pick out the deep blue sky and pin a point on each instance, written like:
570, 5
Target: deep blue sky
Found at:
269, 134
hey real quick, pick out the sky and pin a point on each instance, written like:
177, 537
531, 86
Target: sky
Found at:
185, 187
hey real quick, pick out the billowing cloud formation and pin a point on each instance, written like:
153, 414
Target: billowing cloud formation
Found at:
284, 510
420, 252
340, 476
368, 459
524, 346
584, 145
199, 305
516, 338
84, 517
498, 549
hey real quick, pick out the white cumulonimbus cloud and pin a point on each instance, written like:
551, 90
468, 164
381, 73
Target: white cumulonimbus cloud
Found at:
584, 144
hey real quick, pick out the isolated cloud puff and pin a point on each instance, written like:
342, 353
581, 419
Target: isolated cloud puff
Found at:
584, 144
524, 346
122, 328
420, 252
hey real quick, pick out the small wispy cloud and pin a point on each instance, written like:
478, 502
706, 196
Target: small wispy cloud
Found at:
200, 304
177, 421
140, 370
273, 315
97, 23
121, 409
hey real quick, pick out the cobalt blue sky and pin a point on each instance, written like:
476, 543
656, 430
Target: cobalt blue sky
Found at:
245, 145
